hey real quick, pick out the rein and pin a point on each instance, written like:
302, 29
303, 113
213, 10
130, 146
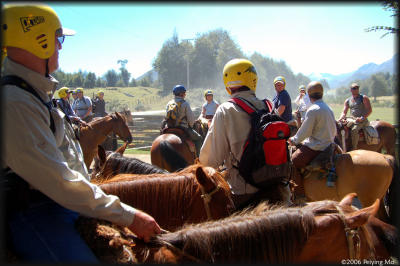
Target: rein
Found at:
207, 198
354, 240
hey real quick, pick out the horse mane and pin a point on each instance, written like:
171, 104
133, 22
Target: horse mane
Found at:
174, 195
118, 164
268, 233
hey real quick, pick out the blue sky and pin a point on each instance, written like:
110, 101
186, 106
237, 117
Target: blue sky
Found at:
310, 37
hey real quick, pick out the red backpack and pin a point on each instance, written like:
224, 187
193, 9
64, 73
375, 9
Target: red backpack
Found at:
265, 159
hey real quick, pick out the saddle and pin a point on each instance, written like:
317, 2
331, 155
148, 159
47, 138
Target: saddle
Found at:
324, 164
181, 134
368, 134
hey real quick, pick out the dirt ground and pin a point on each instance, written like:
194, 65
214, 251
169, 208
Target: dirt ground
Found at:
142, 157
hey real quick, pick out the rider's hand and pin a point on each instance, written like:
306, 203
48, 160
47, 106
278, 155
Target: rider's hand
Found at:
144, 226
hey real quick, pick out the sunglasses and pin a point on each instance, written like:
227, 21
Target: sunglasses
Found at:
61, 39
354, 88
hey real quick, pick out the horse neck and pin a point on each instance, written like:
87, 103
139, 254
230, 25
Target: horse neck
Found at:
174, 197
248, 237
101, 128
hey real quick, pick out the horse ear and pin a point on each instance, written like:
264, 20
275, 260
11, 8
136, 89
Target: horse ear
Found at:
360, 217
102, 154
121, 149
204, 180
117, 115
347, 200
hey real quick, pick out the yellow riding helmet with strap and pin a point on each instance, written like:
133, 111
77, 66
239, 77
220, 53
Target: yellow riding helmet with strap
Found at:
31, 27
280, 79
100, 92
208, 92
63, 92
238, 73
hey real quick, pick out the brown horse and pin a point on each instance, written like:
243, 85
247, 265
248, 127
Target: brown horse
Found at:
366, 173
192, 195
108, 164
387, 137
170, 151
96, 132
321, 232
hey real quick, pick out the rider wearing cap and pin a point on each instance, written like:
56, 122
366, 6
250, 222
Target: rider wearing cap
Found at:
230, 127
282, 101
99, 105
185, 117
315, 134
83, 106
46, 181
303, 102
360, 108
65, 106
210, 106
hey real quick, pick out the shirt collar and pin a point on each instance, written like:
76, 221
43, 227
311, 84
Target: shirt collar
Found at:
243, 94
45, 87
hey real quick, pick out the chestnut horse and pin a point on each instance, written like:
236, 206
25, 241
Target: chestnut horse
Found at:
366, 173
108, 164
320, 232
192, 195
96, 132
387, 137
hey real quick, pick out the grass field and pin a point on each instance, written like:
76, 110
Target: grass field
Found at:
382, 113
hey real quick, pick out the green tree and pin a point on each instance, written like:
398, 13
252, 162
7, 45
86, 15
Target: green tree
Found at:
111, 77
90, 80
377, 86
125, 75
393, 6
132, 83
171, 64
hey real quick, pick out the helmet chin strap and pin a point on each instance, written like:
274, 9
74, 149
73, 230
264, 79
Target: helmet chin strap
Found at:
47, 68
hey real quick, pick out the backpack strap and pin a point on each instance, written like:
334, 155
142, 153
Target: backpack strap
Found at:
245, 105
22, 84
269, 105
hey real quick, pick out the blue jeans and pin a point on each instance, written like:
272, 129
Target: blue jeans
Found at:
45, 232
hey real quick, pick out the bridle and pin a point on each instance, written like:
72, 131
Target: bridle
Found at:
207, 199
354, 240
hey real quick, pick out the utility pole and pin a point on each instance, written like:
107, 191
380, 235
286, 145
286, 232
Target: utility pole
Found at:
187, 65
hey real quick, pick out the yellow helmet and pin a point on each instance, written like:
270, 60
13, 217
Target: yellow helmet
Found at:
79, 90
100, 92
208, 92
280, 79
63, 92
31, 27
238, 73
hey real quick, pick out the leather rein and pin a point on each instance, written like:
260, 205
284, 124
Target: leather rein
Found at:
354, 240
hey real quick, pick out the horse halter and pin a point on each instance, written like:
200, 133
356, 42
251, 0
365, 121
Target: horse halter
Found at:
354, 240
207, 198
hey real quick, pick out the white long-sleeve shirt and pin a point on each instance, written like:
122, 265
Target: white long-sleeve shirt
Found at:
185, 114
51, 163
303, 103
318, 129
225, 139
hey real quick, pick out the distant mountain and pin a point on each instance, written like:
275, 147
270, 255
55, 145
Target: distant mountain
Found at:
365, 71
152, 73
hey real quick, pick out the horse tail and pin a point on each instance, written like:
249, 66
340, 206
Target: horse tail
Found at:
171, 156
392, 195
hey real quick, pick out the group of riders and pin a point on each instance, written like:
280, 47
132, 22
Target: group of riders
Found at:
83, 109
314, 125
47, 182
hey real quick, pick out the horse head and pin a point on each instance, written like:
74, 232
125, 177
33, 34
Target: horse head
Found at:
215, 189
120, 127
346, 232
